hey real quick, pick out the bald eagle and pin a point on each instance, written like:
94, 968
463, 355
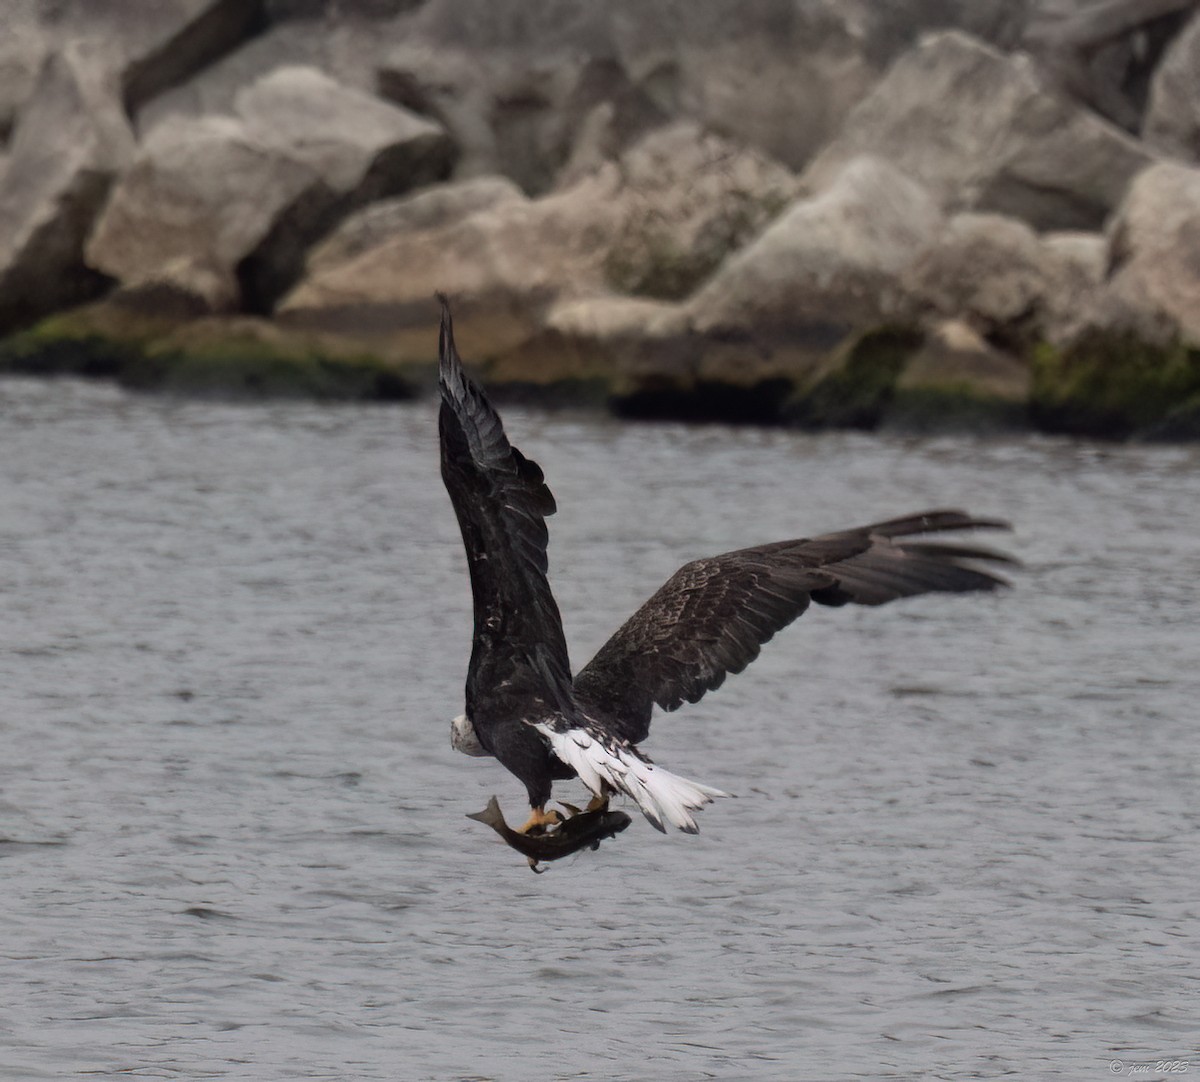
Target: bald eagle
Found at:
523, 704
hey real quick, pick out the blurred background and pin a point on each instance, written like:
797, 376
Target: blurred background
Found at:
879, 257
924, 213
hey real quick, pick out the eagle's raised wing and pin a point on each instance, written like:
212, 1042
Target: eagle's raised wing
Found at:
501, 501
711, 617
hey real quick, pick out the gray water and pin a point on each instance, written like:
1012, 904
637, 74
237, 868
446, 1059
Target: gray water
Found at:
232, 829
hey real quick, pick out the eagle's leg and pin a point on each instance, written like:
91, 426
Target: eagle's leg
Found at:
539, 819
600, 801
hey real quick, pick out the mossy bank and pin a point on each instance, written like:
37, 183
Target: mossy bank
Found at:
238, 357
894, 377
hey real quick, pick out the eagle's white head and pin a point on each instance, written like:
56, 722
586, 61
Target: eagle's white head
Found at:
464, 738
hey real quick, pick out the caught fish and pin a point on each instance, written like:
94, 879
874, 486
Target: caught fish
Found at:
582, 830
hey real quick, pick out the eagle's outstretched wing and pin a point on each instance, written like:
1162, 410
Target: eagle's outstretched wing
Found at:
711, 617
501, 500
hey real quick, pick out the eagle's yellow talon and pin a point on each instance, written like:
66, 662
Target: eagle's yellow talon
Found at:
540, 819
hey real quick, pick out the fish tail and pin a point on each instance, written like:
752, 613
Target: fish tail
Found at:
491, 815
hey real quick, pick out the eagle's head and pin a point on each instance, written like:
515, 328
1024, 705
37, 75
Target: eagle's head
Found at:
464, 738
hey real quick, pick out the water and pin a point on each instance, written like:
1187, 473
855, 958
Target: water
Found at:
232, 829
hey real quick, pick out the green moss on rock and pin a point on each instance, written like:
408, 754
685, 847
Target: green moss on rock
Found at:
857, 390
94, 340
225, 357
1112, 385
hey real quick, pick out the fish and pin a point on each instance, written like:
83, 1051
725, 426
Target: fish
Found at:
581, 830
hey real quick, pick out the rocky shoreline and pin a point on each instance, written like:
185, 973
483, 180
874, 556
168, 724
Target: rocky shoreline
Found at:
804, 213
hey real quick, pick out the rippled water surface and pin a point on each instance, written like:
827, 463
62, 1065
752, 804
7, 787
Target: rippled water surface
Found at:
232, 833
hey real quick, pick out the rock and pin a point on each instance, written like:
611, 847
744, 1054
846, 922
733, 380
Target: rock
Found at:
503, 266
855, 385
1172, 121
783, 313
1132, 362
1002, 279
1155, 270
70, 141
515, 81
23, 47
520, 115
1104, 54
1114, 383
690, 199
358, 144
280, 10
431, 208
659, 221
250, 357
241, 198
202, 197
828, 264
612, 345
1085, 253
986, 268
153, 350
146, 48
163, 43
782, 82
346, 49
982, 132
957, 379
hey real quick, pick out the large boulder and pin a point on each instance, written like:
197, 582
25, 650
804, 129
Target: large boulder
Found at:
23, 46
1172, 121
239, 199
786, 307
983, 132
504, 265
1104, 54
689, 198
155, 46
519, 114
516, 80
431, 208
144, 48
1003, 280
202, 197
345, 48
357, 143
69, 143
829, 263
1155, 254
656, 222
1130, 367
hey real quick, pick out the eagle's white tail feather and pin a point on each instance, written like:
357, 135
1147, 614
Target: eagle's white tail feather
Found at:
660, 794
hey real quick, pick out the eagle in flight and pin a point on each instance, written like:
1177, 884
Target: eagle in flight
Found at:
526, 708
